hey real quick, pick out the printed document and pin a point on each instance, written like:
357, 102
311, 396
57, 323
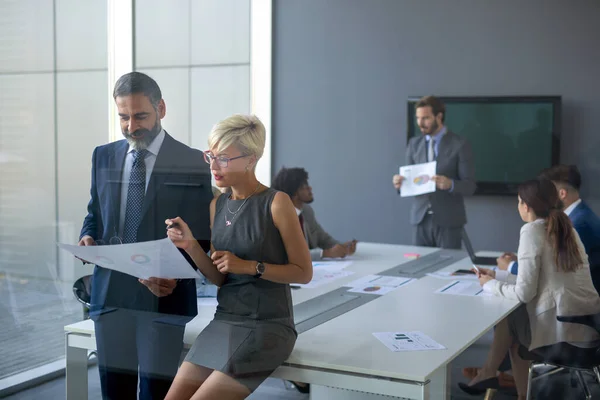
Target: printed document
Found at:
377, 284
327, 271
407, 341
417, 179
157, 258
463, 288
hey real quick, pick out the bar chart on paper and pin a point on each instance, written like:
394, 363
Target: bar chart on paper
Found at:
407, 341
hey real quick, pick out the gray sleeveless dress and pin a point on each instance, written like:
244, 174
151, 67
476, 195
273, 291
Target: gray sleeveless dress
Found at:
253, 330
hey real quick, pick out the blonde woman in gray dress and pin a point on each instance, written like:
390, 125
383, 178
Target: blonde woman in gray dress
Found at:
257, 250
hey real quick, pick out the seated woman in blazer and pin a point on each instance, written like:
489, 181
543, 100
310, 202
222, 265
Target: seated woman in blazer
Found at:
553, 279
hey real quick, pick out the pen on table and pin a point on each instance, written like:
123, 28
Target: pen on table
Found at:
294, 286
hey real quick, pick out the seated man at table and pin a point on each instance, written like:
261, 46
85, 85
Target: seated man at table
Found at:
294, 182
567, 180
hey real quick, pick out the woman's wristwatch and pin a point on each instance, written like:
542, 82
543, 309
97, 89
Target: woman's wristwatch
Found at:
260, 269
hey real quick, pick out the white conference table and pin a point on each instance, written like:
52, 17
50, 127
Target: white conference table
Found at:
341, 358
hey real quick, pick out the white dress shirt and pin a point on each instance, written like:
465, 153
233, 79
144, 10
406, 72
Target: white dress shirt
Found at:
573, 206
150, 160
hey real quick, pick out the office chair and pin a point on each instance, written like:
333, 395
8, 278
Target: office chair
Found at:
564, 356
82, 290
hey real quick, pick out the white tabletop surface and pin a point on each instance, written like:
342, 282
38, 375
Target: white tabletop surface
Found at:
86, 327
346, 343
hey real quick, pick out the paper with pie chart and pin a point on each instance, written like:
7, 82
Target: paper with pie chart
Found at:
377, 284
157, 258
417, 179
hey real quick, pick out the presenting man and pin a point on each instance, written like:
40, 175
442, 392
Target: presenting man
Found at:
567, 180
294, 182
440, 216
138, 183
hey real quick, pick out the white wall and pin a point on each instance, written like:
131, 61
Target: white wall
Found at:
199, 53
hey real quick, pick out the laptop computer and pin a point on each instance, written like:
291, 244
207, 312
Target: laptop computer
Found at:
475, 259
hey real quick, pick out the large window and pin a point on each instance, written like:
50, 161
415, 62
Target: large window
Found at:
53, 85
58, 61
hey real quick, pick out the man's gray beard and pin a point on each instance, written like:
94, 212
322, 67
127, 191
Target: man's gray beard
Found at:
142, 144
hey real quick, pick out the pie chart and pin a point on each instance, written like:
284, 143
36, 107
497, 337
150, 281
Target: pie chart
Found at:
421, 180
140, 259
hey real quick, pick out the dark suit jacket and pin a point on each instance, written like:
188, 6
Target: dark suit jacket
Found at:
587, 225
179, 186
455, 161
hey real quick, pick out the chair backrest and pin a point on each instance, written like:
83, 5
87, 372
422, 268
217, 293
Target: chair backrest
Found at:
82, 289
592, 320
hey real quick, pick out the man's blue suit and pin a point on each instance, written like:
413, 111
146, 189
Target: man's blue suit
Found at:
587, 225
133, 326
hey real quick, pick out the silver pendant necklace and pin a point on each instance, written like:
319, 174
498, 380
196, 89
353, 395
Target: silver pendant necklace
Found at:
228, 222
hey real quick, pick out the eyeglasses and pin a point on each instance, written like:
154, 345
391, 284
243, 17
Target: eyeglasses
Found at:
222, 162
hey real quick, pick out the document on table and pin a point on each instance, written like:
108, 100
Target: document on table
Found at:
450, 275
327, 271
417, 179
408, 341
463, 288
158, 258
377, 284
331, 265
